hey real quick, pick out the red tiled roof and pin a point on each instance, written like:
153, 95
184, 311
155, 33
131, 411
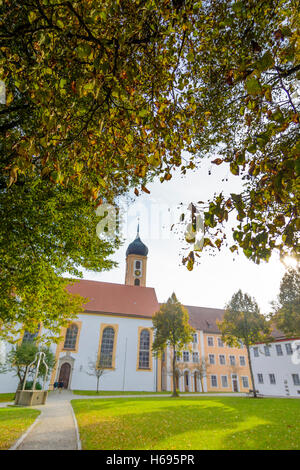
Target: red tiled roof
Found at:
106, 297
204, 318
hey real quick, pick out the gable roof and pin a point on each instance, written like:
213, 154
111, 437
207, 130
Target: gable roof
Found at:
106, 297
204, 318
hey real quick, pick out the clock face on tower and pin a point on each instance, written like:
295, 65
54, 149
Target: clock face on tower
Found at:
137, 273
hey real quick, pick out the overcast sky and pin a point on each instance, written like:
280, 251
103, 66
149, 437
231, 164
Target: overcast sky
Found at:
213, 282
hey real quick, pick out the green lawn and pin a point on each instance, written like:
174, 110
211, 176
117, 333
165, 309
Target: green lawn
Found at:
13, 423
6, 397
188, 423
105, 392
111, 393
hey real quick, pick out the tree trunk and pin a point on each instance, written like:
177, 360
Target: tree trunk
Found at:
201, 380
248, 352
174, 394
251, 371
22, 378
98, 385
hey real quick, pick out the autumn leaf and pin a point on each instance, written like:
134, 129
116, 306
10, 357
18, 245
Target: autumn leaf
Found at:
217, 161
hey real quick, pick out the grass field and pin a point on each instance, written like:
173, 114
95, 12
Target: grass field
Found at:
13, 422
188, 423
111, 393
6, 397
105, 392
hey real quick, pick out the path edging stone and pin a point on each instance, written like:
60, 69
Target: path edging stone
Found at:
19, 441
79, 446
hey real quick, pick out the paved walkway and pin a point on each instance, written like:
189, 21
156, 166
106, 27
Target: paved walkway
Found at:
55, 428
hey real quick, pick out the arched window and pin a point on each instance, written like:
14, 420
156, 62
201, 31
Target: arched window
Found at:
136, 282
137, 265
186, 382
71, 337
144, 353
107, 347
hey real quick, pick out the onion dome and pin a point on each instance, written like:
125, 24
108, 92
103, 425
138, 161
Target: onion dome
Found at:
137, 247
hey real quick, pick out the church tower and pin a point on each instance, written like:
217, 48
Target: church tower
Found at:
136, 262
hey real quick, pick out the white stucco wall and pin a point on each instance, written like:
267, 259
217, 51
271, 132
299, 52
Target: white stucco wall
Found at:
281, 366
8, 381
125, 376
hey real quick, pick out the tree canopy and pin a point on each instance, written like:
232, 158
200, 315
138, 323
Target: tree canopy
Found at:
104, 96
287, 309
22, 355
171, 328
110, 93
45, 232
243, 321
249, 69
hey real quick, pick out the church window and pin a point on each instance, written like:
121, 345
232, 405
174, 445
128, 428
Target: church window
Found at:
30, 337
136, 282
107, 346
71, 337
144, 353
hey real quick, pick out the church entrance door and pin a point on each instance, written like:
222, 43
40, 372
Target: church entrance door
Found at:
64, 374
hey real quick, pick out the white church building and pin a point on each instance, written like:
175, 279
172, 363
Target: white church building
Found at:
115, 331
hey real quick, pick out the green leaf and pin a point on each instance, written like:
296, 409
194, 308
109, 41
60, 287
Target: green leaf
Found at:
253, 86
32, 16
266, 62
143, 112
83, 50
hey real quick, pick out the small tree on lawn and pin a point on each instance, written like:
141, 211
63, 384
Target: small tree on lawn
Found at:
21, 356
171, 328
97, 370
244, 322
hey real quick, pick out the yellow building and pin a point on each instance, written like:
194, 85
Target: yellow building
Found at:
207, 364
